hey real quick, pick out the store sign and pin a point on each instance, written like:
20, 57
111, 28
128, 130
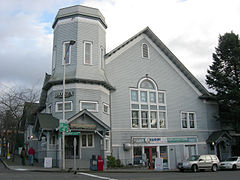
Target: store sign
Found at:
83, 126
67, 94
162, 140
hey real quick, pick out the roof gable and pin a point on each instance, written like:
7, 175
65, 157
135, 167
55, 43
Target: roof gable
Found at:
91, 116
174, 60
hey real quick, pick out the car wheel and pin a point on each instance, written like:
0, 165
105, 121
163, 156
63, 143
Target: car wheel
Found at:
194, 168
214, 168
234, 167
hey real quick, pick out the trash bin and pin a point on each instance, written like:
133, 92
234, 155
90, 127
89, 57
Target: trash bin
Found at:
100, 163
93, 163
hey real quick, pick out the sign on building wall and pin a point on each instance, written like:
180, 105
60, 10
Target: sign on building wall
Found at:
162, 140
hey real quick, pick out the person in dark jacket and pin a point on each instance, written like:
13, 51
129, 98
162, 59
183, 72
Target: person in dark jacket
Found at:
23, 155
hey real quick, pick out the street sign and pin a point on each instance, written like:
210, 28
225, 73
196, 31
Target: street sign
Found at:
63, 127
72, 133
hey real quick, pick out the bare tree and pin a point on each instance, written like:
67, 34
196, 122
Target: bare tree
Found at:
11, 108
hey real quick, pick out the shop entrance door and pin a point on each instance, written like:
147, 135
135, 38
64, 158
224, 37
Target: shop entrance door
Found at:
151, 154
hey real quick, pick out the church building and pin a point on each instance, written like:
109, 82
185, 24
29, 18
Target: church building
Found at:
135, 103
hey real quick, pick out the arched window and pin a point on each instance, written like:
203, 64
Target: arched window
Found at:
146, 84
145, 51
148, 105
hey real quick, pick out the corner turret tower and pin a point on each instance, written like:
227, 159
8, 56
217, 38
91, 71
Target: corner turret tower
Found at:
85, 61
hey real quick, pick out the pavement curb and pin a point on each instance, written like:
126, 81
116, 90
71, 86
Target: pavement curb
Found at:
4, 163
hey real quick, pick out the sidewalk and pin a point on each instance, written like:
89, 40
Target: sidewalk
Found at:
17, 166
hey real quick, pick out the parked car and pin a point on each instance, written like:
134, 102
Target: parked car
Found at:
200, 162
231, 163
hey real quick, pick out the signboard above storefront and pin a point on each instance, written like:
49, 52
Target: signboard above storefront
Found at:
83, 126
67, 94
162, 140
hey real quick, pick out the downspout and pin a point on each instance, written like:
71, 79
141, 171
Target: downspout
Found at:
110, 111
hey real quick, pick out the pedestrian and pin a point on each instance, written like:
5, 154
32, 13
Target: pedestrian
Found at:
23, 155
31, 153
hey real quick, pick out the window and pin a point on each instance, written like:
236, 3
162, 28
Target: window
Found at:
148, 108
87, 53
89, 105
135, 119
87, 140
66, 53
188, 120
105, 108
145, 51
68, 106
102, 58
54, 58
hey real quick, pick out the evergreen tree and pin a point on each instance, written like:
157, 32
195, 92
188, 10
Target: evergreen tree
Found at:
224, 76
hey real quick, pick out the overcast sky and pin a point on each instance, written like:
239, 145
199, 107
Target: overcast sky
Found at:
189, 28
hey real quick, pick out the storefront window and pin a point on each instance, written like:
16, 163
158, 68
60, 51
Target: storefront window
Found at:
137, 153
164, 155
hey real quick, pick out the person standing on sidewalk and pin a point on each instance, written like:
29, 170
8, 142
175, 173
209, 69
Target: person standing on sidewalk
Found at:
23, 155
31, 153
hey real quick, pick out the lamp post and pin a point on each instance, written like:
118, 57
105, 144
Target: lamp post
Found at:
67, 48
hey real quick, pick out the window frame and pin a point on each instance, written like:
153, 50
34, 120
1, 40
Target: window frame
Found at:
108, 110
148, 106
57, 103
147, 46
87, 146
90, 102
70, 53
188, 120
102, 61
84, 52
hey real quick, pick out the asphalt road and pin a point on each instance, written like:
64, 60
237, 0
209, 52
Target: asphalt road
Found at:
6, 174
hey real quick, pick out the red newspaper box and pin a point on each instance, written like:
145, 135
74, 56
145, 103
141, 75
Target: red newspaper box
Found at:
100, 163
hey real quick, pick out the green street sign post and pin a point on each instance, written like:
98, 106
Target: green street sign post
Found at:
72, 133
63, 127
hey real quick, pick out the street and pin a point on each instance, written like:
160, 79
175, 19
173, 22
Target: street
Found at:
6, 174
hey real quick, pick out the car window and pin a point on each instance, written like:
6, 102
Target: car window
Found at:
208, 158
214, 157
193, 158
203, 158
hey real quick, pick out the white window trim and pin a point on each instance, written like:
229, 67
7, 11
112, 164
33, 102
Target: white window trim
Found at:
188, 120
54, 58
56, 108
84, 61
139, 103
70, 53
92, 102
87, 141
147, 50
50, 108
102, 61
108, 111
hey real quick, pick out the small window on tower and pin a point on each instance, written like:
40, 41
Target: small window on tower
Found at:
87, 53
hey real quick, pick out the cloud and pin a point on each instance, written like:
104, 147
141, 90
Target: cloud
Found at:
190, 28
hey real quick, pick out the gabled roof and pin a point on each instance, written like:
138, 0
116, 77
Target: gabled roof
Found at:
86, 112
47, 121
217, 136
29, 111
147, 31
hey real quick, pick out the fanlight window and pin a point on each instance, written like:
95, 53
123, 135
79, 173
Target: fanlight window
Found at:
146, 84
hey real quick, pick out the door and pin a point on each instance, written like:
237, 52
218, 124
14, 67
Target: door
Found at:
151, 154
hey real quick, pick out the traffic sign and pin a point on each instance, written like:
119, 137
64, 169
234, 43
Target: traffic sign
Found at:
72, 133
63, 127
